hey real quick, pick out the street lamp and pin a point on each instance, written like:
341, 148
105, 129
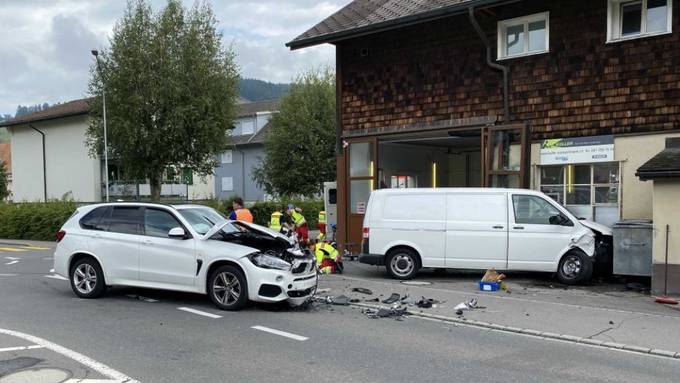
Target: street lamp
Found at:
95, 53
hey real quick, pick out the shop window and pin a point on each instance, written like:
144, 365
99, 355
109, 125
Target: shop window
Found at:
360, 155
638, 18
403, 182
523, 36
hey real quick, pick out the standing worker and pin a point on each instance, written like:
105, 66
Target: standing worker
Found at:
322, 226
240, 213
275, 221
299, 223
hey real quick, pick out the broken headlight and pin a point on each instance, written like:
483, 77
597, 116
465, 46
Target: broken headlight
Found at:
267, 261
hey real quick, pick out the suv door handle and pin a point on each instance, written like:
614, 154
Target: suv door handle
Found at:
518, 227
498, 226
147, 242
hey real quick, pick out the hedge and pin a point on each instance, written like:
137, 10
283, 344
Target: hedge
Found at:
40, 221
34, 220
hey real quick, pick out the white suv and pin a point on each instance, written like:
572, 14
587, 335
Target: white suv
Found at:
188, 248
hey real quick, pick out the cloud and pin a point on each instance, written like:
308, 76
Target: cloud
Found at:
46, 44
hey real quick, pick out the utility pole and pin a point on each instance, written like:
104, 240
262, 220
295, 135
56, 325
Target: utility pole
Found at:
95, 53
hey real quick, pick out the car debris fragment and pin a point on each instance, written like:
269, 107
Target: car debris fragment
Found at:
362, 290
394, 312
416, 283
426, 303
466, 306
392, 298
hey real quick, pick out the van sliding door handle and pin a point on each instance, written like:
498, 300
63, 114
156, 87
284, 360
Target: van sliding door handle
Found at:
518, 227
497, 227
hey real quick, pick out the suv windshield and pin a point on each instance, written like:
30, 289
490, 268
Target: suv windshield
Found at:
203, 219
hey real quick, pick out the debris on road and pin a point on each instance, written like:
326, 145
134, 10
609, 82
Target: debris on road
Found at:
466, 306
492, 275
376, 299
426, 303
395, 312
362, 290
340, 300
392, 299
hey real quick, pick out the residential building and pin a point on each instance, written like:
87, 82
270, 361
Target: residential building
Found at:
50, 160
6, 158
566, 97
234, 172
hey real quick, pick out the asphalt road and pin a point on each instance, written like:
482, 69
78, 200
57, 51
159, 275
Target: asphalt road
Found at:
155, 336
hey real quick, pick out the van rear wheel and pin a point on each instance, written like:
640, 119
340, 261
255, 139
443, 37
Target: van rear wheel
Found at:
575, 268
402, 263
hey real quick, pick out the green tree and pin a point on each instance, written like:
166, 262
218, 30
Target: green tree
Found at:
171, 89
300, 148
4, 192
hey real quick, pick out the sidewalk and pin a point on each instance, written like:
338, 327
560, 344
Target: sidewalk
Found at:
609, 316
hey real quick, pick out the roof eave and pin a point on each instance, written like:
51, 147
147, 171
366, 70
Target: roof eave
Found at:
392, 24
9, 123
646, 175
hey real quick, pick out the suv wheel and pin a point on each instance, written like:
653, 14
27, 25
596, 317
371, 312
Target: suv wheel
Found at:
575, 268
402, 264
87, 278
228, 288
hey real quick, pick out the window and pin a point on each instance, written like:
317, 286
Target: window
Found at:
523, 36
157, 223
124, 219
227, 157
532, 209
632, 19
247, 127
227, 183
332, 196
596, 184
202, 219
91, 220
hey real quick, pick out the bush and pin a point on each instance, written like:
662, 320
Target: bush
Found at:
35, 220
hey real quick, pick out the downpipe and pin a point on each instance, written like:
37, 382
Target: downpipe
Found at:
492, 64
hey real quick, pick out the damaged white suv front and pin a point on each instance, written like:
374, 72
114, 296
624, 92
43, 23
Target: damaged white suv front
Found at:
237, 254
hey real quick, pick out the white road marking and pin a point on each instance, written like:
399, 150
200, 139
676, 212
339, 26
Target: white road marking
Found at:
199, 312
80, 358
281, 333
56, 276
12, 258
8, 275
51, 270
12, 262
141, 298
95, 381
19, 348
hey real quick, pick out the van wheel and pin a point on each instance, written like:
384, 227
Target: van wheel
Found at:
575, 268
228, 288
402, 263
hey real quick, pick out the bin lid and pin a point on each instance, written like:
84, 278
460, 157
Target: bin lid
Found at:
633, 224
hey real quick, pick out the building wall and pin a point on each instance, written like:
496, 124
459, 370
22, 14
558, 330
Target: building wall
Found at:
203, 187
244, 159
583, 86
666, 212
69, 167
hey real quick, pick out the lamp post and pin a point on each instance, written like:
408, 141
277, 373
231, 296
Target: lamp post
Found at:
95, 53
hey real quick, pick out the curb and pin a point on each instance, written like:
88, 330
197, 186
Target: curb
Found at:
536, 333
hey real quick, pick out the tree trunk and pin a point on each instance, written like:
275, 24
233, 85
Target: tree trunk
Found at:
155, 184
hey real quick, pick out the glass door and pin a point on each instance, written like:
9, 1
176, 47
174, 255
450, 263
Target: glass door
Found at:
505, 152
361, 168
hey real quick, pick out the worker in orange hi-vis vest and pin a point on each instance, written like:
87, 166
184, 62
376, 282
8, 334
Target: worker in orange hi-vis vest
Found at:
240, 213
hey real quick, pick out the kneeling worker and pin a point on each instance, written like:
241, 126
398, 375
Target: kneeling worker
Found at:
327, 258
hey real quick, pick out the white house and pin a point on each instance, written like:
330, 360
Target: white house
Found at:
51, 160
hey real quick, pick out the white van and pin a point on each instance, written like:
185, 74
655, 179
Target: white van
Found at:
475, 228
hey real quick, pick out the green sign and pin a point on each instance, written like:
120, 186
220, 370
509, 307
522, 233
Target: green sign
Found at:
187, 176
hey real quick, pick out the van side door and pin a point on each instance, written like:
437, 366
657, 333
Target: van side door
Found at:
537, 238
476, 230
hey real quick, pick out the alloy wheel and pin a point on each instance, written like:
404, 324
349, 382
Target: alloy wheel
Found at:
85, 278
226, 288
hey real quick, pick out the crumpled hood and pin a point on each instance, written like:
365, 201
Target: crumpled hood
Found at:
605, 230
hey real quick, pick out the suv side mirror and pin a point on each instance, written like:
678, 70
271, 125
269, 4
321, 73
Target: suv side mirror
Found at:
177, 233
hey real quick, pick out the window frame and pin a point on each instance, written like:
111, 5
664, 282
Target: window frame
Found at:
187, 234
593, 185
227, 157
615, 27
548, 201
524, 21
109, 215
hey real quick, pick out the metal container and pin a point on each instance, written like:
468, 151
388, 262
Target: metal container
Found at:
633, 247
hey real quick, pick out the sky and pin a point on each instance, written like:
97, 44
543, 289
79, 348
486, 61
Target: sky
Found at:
45, 44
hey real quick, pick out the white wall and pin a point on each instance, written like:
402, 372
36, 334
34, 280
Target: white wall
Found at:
69, 166
203, 188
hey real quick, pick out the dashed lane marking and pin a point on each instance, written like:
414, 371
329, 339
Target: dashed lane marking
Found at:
12, 258
299, 338
56, 276
199, 312
78, 357
20, 348
12, 262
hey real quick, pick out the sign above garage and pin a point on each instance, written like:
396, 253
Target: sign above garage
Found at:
577, 150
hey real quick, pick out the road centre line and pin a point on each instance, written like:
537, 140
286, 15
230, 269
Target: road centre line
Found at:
281, 333
20, 348
11, 262
80, 358
12, 249
199, 312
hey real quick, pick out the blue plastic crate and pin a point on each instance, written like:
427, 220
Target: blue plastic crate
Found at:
489, 286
